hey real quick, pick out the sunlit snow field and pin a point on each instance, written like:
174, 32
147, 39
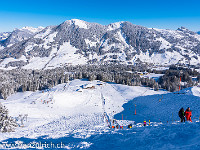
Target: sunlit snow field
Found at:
73, 113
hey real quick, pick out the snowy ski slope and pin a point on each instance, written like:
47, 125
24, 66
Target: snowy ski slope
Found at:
74, 114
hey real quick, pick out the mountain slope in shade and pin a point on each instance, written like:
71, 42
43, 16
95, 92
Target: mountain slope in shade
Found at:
79, 42
198, 32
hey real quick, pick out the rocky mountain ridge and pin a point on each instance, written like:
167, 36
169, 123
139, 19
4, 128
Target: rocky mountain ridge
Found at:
77, 42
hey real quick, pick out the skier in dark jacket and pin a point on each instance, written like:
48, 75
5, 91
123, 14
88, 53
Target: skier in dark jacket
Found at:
181, 114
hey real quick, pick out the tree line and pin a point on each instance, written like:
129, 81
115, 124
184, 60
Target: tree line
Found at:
21, 80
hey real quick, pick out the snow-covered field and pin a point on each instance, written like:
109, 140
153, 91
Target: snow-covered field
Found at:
74, 114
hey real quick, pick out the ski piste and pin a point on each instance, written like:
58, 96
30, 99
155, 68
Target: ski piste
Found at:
85, 115
105, 116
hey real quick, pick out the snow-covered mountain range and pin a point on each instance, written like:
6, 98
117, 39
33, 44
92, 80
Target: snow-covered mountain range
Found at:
7, 39
78, 42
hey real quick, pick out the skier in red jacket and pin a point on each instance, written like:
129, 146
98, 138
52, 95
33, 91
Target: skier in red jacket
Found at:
188, 114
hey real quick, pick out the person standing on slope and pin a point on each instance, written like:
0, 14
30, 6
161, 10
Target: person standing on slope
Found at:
181, 114
188, 114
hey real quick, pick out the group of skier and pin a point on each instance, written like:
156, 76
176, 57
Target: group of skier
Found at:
185, 114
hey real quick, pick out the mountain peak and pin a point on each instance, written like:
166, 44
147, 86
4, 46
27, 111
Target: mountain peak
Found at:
32, 29
77, 22
183, 29
114, 26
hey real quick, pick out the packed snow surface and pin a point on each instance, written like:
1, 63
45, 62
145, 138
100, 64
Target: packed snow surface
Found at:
75, 114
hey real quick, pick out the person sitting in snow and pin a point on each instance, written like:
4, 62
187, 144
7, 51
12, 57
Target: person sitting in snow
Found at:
130, 126
181, 114
188, 114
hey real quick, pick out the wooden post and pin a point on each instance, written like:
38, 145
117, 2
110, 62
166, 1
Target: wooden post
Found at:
122, 119
149, 122
135, 109
179, 86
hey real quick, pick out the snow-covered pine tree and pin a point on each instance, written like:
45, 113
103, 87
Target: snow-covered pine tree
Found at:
7, 124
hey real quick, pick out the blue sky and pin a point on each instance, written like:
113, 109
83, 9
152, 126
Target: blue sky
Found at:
168, 14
